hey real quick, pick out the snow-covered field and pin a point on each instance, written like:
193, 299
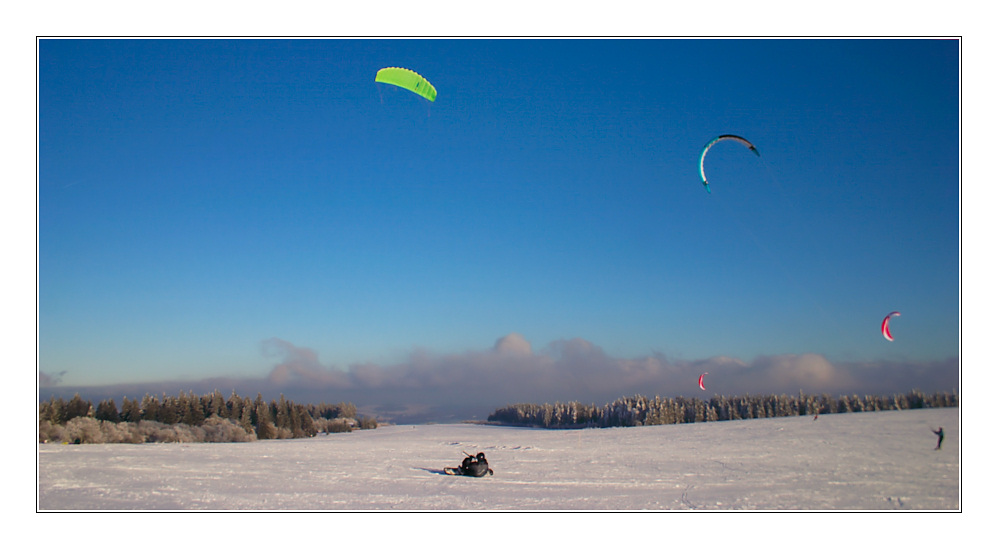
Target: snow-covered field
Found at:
862, 461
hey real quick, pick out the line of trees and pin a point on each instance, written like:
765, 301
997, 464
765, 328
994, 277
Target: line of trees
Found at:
641, 410
191, 418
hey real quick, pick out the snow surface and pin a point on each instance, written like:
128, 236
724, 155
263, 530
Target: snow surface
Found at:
853, 461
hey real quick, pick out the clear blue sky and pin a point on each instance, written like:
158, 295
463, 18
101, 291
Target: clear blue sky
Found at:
213, 208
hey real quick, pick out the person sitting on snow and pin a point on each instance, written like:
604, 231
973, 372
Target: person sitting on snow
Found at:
472, 466
478, 467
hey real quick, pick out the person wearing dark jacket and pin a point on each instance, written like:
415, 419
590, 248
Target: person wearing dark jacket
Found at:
940, 433
477, 467
472, 466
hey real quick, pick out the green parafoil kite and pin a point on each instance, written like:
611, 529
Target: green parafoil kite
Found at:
410, 80
710, 144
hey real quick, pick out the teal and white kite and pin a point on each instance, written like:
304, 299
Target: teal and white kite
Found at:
703, 153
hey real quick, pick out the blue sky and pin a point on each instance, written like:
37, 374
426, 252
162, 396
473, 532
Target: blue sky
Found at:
263, 211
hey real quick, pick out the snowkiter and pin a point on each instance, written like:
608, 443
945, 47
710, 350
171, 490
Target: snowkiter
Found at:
472, 466
940, 433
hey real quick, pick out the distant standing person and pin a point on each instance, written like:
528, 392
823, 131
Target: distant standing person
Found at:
940, 433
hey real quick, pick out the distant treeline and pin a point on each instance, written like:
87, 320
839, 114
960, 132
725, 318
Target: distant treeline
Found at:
640, 410
191, 418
